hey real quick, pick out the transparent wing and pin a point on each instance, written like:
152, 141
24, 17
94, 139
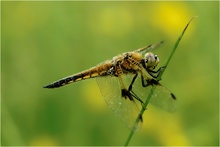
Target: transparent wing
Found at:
125, 109
149, 47
164, 99
161, 97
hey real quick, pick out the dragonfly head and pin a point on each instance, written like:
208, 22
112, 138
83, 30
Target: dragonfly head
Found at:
150, 61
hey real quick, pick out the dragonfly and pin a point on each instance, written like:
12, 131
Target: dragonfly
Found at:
125, 82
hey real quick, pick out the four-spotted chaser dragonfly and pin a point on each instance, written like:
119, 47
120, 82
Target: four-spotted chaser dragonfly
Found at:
124, 80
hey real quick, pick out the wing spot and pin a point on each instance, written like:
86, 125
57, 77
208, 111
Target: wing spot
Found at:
125, 93
173, 96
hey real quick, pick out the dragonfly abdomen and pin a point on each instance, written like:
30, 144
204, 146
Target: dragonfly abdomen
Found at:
99, 70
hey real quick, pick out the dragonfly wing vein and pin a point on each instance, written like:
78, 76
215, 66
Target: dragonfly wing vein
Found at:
161, 97
124, 108
164, 99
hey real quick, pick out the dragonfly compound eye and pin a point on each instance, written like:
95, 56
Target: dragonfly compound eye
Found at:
151, 60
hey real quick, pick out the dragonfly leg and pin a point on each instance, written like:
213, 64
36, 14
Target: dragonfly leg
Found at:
148, 82
136, 97
156, 74
131, 95
132, 82
126, 93
131, 92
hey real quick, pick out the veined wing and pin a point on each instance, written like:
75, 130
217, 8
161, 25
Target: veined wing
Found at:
124, 108
164, 99
161, 97
149, 47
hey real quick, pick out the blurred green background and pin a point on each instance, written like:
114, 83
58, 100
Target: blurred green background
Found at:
45, 41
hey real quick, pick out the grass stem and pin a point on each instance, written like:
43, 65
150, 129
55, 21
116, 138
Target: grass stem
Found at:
153, 87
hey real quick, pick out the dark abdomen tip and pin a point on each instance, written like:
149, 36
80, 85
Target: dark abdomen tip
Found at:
54, 85
60, 83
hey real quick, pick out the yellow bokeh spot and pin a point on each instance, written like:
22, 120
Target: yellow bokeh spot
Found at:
171, 18
165, 127
43, 140
177, 137
92, 96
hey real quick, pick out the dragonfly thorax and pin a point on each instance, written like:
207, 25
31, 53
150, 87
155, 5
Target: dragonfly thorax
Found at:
150, 61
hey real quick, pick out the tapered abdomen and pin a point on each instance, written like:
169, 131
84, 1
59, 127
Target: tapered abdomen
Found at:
96, 71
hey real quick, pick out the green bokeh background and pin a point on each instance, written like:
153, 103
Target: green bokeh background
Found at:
45, 41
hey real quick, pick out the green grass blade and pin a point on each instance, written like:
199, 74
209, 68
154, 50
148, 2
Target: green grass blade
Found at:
141, 113
153, 87
174, 48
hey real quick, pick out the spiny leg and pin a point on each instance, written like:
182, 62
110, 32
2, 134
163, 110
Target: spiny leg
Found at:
148, 82
127, 92
132, 92
132, 82
131, 95
156, 74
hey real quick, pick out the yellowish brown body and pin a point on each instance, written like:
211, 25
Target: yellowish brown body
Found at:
118, 91
127, 63
123, 64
